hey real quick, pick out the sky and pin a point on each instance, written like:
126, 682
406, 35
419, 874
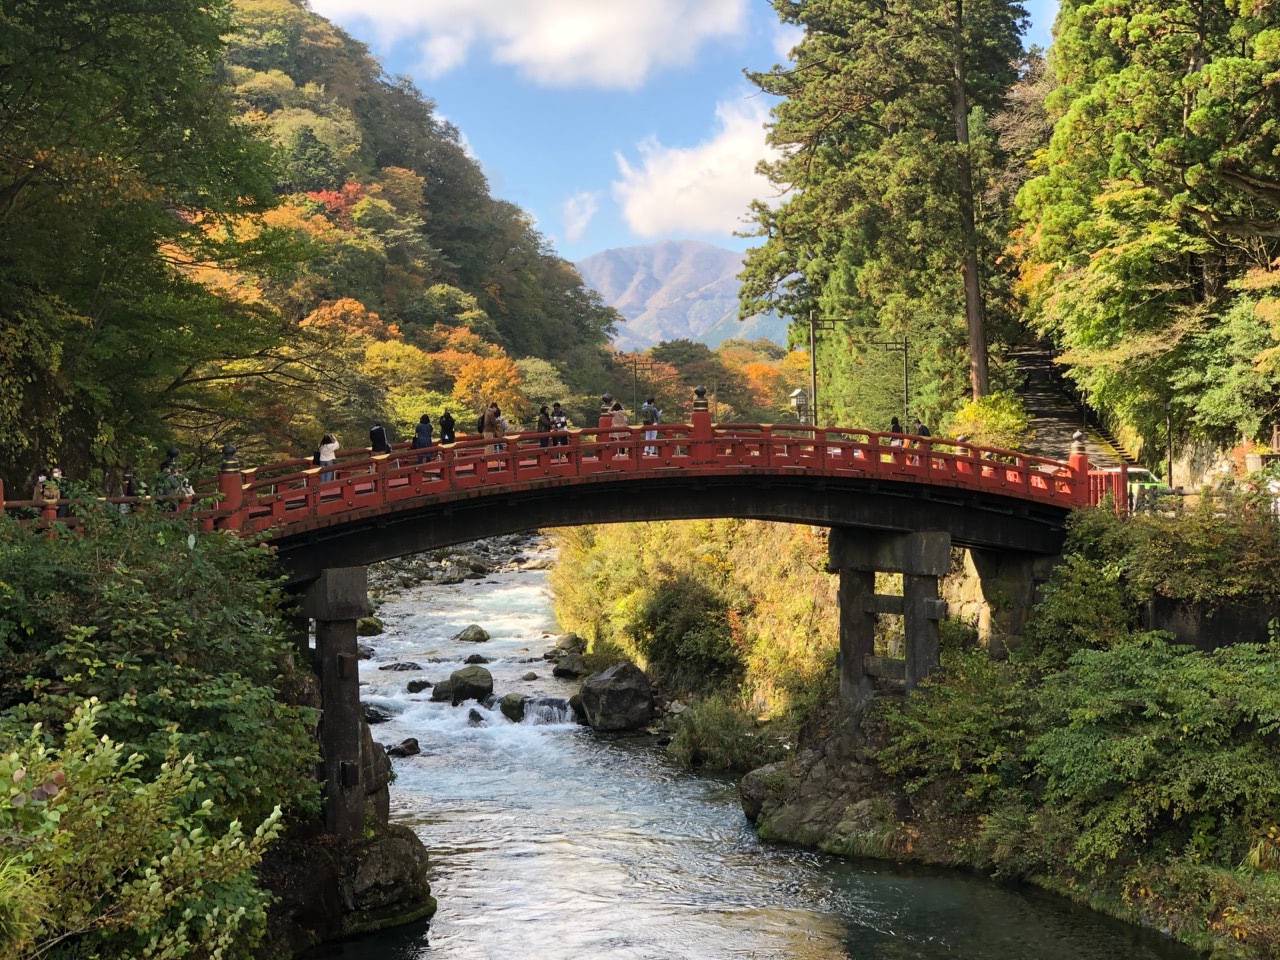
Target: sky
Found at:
612, 123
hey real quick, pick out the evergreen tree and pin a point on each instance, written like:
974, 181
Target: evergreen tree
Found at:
886, 159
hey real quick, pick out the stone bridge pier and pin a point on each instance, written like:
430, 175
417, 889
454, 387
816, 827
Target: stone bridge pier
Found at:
335, 601
1001, 590
857, 556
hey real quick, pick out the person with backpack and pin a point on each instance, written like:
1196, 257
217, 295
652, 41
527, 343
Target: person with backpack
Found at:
649, 415
378, 442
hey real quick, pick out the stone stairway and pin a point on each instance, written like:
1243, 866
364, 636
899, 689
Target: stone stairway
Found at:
1056, 415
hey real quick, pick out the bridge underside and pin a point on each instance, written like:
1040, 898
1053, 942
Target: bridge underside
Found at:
973, 519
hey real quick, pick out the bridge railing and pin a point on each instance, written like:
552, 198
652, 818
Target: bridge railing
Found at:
272, 495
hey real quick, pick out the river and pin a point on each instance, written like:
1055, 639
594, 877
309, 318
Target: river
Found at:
549, 842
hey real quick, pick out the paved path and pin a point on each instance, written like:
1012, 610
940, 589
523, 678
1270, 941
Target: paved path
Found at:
1055, 417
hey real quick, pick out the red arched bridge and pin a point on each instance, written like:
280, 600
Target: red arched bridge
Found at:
366, 508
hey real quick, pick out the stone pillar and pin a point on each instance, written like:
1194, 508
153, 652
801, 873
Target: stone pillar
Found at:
857, 632
921, 558
1007, 584
336, 601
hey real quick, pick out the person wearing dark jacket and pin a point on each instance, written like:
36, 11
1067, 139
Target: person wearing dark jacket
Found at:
422, 438
544, 424
446, 427
378, 438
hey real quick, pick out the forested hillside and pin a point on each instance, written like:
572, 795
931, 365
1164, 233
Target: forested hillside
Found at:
223, 223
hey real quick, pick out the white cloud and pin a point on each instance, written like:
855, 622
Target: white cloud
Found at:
607, 43
786, 36
705, 188
576, 213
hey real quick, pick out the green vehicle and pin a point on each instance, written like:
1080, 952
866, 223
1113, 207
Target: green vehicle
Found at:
1144, 487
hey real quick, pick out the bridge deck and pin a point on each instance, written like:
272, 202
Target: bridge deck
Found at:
296, 492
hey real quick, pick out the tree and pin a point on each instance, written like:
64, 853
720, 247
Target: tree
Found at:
885, 156
115, 129
1157, 190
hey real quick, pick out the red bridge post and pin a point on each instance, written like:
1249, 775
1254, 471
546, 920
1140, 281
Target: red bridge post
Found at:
231, 486
1079, 460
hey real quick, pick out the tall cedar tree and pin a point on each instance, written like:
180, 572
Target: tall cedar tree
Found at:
884, 171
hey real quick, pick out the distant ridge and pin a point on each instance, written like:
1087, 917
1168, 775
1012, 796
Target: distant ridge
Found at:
673, 290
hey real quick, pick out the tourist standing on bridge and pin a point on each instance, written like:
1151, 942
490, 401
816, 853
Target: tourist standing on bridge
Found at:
618, 418
559, 426
378, 442
422, 438
895, 427
649, 414
544, 425
920, 430
326, 453
491, 427
446, 426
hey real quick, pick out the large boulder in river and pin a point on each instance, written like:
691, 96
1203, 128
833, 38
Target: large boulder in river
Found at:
570, 667
470, 683
618, 698
472, 634
512, 706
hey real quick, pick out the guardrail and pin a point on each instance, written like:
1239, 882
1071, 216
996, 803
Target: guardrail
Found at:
278, 494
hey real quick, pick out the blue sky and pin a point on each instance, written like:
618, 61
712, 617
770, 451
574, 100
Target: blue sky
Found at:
611, 122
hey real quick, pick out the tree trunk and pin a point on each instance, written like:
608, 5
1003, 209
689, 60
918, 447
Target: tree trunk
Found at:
972, 292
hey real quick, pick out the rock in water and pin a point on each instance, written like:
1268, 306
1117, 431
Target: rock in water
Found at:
618, 698
471, 634
469, 683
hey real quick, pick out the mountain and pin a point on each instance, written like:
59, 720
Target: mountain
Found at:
674, 290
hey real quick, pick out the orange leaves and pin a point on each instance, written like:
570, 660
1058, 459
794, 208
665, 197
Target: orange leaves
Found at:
350, 316
478, 380
764, 381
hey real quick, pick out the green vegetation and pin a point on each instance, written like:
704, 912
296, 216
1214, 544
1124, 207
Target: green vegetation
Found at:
1108, 763
892, 175
738, 615
277, 241
1118, 201
141, 666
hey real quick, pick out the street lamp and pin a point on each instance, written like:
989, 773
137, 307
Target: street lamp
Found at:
800, 404
829, 323
636, 364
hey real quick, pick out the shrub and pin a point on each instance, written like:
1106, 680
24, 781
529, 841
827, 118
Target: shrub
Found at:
996, 420
961, 731
1151, 744
128, 862
716, 733
171, 631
